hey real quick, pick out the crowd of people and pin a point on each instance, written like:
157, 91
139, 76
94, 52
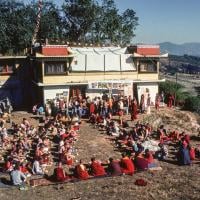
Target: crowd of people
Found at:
30, 150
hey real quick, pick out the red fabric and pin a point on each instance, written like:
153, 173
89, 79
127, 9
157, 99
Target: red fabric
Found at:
65, 135
23, 169
187, 138
97, 169
92, 108
127, 166
150, 158
81, 173
69, 161
134, 111
170, 101
60, 174
8, 164
192, 154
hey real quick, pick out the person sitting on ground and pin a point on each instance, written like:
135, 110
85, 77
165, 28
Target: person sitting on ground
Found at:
140, 161
162, 154
17, 177
9, 165
114, 168
37, 169
96, 168
127, 165
59, 173
183, 155
81, 171
150, 159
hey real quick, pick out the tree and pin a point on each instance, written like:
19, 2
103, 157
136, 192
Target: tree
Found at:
51, 23
79, 16
98, 22
129, 22
16, 28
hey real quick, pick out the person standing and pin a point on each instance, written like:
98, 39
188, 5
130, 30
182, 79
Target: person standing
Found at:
148, 104
142, 104
134, 109
157, 102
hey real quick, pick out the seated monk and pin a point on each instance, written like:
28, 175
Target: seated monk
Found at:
67, 158
114, 168
96, 168
141, 162
81, 172
127, 165
149, 157
60, 174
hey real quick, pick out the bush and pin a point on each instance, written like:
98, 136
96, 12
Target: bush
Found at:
192, 103
174, 89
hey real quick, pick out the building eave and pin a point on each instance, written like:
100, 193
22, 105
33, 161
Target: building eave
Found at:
39, 84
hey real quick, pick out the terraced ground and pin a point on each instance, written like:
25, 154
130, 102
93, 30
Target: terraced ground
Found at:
173, 182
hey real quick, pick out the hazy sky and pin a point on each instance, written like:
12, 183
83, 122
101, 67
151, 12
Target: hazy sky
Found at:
164, 20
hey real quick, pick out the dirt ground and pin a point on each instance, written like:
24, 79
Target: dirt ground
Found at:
173, 182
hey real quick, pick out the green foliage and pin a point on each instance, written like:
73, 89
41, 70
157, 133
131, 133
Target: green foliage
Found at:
184, 99
172, 88
86, 21
192, 103
15, 27
51, 23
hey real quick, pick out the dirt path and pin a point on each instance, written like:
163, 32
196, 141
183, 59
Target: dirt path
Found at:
92, 142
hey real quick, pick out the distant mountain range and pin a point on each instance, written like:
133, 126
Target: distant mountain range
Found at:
180, 49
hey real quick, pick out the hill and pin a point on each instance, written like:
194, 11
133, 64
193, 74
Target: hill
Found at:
169, 183
180, 49
183, 64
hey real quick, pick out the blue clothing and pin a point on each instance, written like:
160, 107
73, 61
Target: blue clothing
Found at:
184, 156
17, 177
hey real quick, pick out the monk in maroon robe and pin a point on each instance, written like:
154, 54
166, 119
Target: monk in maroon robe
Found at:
134, 110
127, 165
92, 108
96, 168
81, 171
60, 174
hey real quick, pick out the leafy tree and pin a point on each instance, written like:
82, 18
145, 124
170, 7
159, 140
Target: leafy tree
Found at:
77, 21
172, 88
192, 103
98, 22
16, 28
51, 22
129, 21
79, 16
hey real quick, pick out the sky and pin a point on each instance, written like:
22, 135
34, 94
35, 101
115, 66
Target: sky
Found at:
174, 21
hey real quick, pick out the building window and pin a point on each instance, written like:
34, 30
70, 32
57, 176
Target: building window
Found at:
55, 68
6, 69
148, 66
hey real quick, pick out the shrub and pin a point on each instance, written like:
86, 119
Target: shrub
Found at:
192, 103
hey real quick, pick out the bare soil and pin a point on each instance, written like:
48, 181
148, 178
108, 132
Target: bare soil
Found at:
173, 182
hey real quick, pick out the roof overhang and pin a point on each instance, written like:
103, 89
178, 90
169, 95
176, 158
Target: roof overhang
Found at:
102, 81
12, 57
38, 55
136, 55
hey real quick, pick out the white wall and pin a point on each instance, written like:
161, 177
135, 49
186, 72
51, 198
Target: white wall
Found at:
51, 91
151, 87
